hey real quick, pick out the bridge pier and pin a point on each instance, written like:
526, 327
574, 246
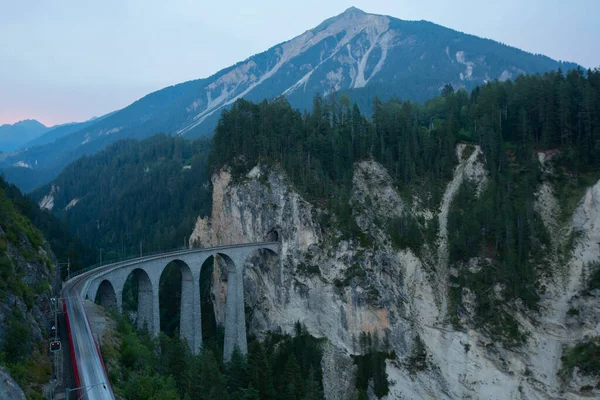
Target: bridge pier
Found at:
235, 316
190, 322
149, 271
148, 311
119, 294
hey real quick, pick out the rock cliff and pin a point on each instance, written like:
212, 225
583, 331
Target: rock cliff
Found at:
26, 277
341, 288
9, 388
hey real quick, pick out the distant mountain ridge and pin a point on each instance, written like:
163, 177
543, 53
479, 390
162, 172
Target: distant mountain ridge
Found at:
56, 132
363, 54
13, 136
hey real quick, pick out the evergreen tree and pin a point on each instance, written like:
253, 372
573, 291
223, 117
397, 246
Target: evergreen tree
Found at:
259, 371
293, 376
237, 371
313, 388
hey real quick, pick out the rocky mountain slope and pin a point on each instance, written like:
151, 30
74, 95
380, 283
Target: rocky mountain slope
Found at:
365, 54
105, 200
27, 267
341, 288
56, 132
452, 244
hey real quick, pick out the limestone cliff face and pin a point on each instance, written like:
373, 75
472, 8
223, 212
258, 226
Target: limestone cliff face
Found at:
341, 288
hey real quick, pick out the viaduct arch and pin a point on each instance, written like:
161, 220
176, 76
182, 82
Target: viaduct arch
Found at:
110, 281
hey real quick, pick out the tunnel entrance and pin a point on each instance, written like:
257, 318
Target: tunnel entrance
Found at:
273, 235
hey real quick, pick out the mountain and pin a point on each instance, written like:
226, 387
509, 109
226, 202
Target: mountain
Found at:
27, 267
57, 132
443, 250
15, 135
365, 54
105, 199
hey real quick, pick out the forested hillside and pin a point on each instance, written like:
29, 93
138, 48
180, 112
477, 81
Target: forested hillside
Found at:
106, 201
149, 191
26, 276
66, 246
511, 121
152, 191
282, 367
14, 136
365, 55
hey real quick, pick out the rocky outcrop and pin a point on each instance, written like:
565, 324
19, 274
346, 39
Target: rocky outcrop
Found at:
9, 388
341, 288
47, 202
26, 280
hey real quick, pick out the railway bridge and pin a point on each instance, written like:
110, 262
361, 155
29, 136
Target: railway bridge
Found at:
107, 284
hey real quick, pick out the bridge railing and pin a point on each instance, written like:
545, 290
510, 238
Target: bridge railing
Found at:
153, 253
120, 259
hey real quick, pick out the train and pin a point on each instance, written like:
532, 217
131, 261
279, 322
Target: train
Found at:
91, 378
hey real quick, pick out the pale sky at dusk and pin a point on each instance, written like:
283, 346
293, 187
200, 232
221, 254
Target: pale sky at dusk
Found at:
69, 60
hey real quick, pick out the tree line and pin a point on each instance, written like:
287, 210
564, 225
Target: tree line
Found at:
282, 367
511, 121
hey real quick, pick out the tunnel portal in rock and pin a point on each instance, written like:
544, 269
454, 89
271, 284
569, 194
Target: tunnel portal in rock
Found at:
273, 235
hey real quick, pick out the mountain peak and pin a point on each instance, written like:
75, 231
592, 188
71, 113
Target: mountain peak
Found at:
13, 136
354, 10
26, 122
349, 17
30, 122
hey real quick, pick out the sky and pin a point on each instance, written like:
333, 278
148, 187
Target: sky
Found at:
70, 60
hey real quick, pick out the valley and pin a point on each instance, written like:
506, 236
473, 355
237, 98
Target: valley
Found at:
375, 209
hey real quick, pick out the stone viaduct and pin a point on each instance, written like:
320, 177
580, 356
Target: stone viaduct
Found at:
109, 282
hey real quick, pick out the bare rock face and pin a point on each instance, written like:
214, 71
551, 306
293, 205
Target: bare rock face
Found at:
342, 288
339, 374
9, 388
25, 307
